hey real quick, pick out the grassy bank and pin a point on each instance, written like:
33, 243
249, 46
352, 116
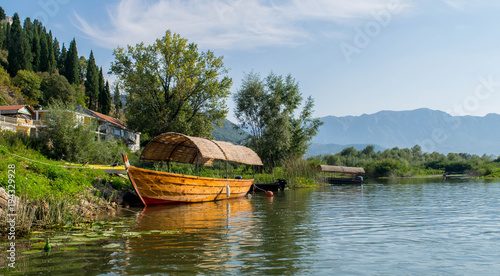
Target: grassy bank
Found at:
50, 195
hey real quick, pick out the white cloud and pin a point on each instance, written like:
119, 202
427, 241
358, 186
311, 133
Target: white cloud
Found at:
226, 23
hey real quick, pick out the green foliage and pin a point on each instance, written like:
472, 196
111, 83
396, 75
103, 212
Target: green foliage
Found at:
266, 108
92, 83
71, 64
104, 105
68, 138
29, 83
117, 101
172, 86
2, 14
410, 162
56, 88
49, 194
19, 57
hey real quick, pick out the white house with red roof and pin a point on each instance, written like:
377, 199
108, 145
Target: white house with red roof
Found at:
22, 118
112, 128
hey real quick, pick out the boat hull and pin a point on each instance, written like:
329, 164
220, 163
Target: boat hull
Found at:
165, 188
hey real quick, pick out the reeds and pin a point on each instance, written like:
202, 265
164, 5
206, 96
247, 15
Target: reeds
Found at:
54, 212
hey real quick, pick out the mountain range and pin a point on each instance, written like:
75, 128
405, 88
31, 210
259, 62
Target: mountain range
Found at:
431, 129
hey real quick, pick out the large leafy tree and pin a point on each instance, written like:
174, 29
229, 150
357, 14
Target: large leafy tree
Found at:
172, 86
29, 83
267, 109
56, 89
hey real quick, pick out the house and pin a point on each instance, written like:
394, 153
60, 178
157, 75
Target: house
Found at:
18, 118
22, 118
8, 20
112, 128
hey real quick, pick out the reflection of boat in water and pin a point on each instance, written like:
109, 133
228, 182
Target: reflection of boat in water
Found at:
192, 239
278, 185
192, 217
160, 187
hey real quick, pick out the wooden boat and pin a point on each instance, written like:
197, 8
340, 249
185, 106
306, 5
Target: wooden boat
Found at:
354, 174
155, 187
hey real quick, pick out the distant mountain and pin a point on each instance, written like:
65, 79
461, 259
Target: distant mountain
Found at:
229, 133
432, 130
323, 149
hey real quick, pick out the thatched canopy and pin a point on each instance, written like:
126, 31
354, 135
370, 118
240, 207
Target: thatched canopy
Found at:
339, 169
175, 147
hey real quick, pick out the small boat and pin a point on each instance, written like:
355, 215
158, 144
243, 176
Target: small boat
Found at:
354, 174
278, 185
155, 187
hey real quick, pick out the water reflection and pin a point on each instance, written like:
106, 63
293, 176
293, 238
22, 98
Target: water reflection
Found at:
422, 227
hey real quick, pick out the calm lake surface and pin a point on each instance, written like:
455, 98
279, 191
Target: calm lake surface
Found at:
402, 227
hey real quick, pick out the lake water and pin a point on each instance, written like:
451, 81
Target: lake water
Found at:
403, 227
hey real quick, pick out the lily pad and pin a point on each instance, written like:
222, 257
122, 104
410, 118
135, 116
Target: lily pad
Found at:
69, 248
112, 245
34, 251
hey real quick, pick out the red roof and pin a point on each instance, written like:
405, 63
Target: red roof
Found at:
16, 107
108, 118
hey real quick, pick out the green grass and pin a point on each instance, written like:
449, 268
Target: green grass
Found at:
50, 195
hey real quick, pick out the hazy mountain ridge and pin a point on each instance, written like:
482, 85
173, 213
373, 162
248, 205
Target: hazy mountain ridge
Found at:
323, 149
433, 130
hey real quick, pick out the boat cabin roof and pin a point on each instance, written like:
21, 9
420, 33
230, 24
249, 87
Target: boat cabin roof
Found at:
176, 147
339, 169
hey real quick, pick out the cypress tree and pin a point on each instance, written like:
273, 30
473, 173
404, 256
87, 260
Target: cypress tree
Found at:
92, 83
106, 100
34, 44
44, 54
61, 60
57, 51
52, 58
2, 14
100, 99
19, 57
117, 101
7, 33
71, 64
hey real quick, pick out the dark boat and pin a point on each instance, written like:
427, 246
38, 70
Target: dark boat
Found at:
278, 185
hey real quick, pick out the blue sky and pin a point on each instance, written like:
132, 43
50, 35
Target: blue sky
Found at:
353, 57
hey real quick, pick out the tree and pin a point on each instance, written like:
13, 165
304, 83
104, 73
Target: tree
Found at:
2, 14
29, 83
172, 86
56, 52
105, 100
92, 83
56, 88
71, 64
19, 57
104, 105
61, 60
52, 61
117, 101
266, 108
